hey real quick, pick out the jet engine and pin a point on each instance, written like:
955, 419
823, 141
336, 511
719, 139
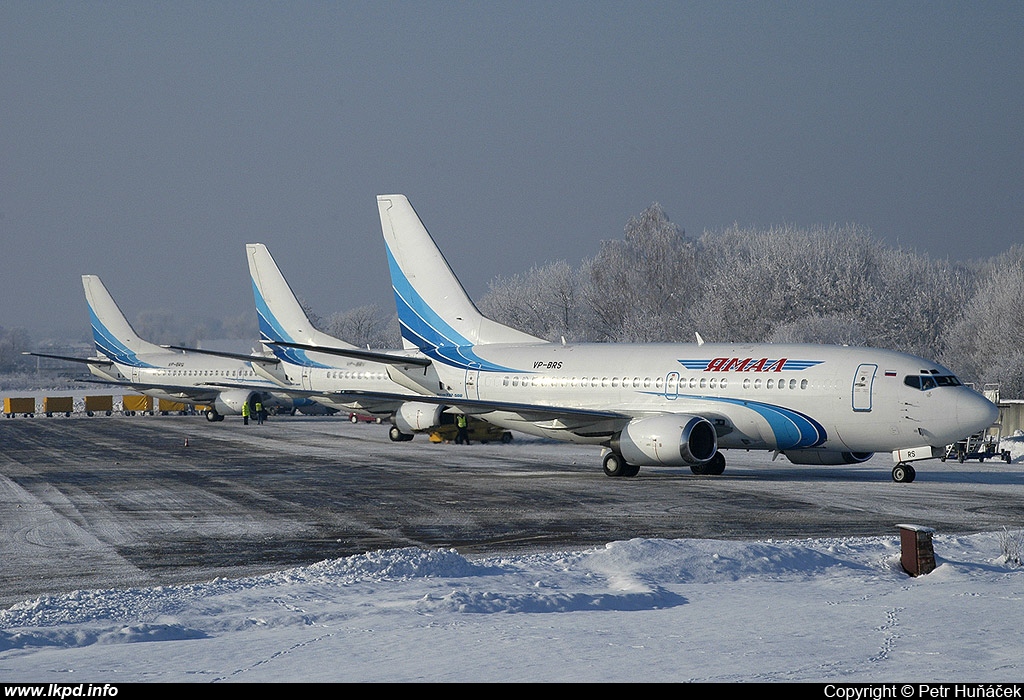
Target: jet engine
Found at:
668, 439
827, 457
229, 403
414, 417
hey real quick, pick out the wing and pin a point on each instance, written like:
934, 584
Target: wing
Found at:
555, 417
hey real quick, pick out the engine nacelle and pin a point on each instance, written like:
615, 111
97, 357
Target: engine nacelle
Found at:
229, 403
671, 440
415, 417
827, 457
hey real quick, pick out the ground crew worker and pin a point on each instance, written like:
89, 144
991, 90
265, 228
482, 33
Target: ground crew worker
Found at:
462, 437
259, 413
245, 412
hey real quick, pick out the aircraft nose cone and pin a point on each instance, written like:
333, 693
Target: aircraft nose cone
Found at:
975, 413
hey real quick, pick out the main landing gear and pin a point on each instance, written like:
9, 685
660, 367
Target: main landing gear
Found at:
615, 465
903, 473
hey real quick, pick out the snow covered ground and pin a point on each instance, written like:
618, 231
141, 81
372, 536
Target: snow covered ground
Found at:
822, 610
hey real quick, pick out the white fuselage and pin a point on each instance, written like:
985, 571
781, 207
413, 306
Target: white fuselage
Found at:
196, 376
331, 377
763, 396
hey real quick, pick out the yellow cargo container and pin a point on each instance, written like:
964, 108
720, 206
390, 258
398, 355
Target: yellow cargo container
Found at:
166, 407
26, 406
58, 404
97, 404
133, 404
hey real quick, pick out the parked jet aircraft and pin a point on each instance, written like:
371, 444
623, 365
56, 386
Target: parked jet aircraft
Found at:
673, 404
125, 359
333, 372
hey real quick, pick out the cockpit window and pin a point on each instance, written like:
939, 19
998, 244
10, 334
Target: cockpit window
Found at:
926, 382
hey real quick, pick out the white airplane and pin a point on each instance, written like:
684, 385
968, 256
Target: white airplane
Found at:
333, 372
673, 404
222, 383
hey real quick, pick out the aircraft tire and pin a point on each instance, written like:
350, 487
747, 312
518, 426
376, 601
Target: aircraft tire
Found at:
716, 465
397, 435
615, 465
903, 473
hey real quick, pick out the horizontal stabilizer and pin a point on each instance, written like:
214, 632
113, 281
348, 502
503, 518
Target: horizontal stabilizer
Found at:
83, 360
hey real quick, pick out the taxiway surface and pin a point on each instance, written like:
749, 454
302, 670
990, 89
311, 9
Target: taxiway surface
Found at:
110, 502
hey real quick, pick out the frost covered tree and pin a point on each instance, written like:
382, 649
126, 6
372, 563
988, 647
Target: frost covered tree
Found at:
764, 284
13, 342
830, 330
756, 280
639, 289
544, 302
365, 326
986, 342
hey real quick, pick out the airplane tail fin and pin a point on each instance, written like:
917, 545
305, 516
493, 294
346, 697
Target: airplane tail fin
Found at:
113, 335
434, 310
280, 315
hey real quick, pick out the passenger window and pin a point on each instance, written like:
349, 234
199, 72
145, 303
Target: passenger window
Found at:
770, 384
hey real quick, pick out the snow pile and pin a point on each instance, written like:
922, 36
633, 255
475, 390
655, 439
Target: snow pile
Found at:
664, 610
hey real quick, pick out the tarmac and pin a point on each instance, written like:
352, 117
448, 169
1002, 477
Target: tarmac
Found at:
122, 501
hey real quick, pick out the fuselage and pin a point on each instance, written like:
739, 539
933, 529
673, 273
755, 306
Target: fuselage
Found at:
763, 396
191, 379
332, 376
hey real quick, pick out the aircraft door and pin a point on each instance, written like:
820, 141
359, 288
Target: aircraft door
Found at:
306, 383
472, 377
672, 386
863, 382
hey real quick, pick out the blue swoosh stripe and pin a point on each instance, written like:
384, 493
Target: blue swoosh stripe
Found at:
425, 329
791, 429
272, 330
108, 344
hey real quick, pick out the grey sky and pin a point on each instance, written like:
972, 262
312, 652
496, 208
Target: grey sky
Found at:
148, 142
